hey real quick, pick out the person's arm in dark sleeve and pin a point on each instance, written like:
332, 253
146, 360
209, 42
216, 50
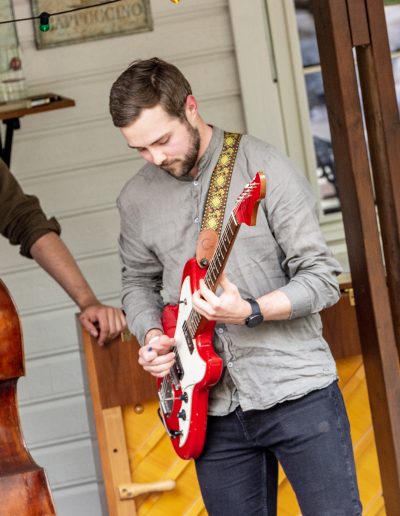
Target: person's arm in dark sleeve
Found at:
22, 220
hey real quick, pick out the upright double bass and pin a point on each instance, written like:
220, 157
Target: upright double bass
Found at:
24, 490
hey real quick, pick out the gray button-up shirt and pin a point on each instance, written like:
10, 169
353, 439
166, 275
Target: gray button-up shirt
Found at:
160, 222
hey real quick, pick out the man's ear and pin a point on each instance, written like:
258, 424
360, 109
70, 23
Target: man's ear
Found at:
191, 108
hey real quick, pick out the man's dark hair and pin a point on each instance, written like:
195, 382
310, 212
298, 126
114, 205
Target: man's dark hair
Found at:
145, 84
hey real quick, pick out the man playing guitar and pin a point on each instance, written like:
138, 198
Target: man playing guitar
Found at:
277, 398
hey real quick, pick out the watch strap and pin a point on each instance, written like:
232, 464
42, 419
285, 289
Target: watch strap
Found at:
256, 316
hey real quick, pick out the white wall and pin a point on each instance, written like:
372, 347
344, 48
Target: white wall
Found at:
76, 162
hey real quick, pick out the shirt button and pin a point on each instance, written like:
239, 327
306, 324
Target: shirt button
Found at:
196, 220
195, 183
220, 330
230, 364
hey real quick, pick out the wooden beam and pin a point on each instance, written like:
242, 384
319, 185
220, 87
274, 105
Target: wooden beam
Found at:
365, 254
383, 125
358, 22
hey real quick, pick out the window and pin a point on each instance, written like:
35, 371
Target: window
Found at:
315, 93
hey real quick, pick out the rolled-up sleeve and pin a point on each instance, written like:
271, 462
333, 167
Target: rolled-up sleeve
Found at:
22, 220
308, 262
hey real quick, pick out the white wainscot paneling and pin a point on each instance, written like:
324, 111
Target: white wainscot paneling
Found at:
226, 113
92, 232
51, 378
50, 333
10, 257
35, 292
67, 464
79, 501
54, 421
81, 190
201, 46
82, 138
70, 147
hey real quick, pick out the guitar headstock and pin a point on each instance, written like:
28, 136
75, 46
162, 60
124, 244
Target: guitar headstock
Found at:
248, 201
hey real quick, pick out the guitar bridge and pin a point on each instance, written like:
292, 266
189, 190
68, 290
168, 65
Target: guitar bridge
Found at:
171, 433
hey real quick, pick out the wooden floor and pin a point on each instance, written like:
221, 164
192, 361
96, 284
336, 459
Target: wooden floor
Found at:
152, 458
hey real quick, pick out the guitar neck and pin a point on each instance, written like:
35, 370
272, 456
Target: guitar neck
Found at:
221, 254
216, 266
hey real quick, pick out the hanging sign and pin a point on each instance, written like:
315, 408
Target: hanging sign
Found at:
109, 20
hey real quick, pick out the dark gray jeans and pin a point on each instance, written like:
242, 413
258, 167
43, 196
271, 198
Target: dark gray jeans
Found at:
310, 437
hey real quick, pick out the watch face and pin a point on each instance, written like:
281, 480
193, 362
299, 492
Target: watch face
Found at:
254, 320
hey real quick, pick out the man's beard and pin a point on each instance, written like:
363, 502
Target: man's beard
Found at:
190, 158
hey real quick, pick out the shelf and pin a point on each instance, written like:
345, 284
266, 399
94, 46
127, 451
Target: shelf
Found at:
11, 112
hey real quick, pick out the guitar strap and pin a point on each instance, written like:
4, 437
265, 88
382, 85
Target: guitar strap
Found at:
216, 199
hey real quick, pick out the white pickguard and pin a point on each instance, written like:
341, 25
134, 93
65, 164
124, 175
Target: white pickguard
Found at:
193, 365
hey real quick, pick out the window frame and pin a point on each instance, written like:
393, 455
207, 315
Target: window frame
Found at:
273, 88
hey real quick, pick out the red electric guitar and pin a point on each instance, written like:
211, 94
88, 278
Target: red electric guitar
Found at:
183, 393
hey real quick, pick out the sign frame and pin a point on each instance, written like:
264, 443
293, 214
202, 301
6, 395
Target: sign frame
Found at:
114, 19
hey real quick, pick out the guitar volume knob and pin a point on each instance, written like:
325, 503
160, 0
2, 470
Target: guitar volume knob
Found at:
184, 397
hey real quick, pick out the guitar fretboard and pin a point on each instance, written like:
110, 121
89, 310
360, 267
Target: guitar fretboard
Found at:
216, 267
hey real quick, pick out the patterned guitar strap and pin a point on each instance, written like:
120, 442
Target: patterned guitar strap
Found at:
216, 200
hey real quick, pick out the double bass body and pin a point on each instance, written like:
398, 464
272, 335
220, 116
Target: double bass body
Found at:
24, 489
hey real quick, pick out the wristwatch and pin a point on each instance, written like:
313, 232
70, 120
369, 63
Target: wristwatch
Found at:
255, 318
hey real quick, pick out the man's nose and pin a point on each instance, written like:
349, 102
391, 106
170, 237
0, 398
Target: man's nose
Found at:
158, 156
